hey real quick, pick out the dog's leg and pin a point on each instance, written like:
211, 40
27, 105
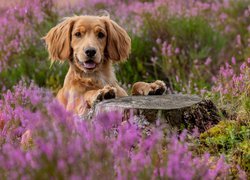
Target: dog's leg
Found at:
107, 92
120, 92
156, 88
81, 103
93, 96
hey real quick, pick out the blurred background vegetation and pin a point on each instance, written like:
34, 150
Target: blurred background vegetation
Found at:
182, 45
200, 47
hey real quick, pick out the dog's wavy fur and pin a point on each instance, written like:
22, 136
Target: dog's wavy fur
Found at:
83, 86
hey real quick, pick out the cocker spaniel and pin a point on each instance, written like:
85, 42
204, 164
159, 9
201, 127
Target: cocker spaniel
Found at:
91, 44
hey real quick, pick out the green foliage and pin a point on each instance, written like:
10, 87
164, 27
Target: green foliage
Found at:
168, 46
195, 38
237, 24
232, 135
246, 104
136, 67
231, 138
33, 64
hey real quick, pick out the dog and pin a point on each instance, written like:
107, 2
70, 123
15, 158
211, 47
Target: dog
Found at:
91, 44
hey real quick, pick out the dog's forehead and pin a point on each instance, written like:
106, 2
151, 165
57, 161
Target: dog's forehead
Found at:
89, 22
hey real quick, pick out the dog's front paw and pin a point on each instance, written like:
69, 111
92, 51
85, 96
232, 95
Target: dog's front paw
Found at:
107, 92
156, 88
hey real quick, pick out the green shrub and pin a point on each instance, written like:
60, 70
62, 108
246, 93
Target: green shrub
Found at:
136, 68
196, 41
231, 138
33, 64
236, 29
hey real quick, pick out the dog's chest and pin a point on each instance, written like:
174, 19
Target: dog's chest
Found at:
101, 79
103, 82
92, 84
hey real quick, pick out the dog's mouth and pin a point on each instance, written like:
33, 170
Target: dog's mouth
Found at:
89, 64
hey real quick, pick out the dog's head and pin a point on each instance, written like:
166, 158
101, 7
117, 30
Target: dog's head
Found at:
88, 41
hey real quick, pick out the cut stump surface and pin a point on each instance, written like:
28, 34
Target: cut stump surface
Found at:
164, 102
178, 111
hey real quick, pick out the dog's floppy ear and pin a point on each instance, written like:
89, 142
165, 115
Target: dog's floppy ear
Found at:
118, 42
58, 40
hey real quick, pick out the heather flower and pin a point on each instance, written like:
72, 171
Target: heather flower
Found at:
164, 48
153, 59
158, 41
223, 17
238, 40
242, 174
66, 146
177, 51
208, 61
232, 84
18, 27
177, 78
233, 60
39, 138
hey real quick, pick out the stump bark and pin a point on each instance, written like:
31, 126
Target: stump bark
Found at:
177, 111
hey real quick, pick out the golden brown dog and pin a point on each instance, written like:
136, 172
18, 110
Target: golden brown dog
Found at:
91, 44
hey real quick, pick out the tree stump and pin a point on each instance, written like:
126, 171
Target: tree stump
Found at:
177, 111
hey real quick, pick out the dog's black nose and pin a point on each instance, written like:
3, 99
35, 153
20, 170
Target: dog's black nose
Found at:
90, 52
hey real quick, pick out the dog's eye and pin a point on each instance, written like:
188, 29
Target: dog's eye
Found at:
101, 35
78, 34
